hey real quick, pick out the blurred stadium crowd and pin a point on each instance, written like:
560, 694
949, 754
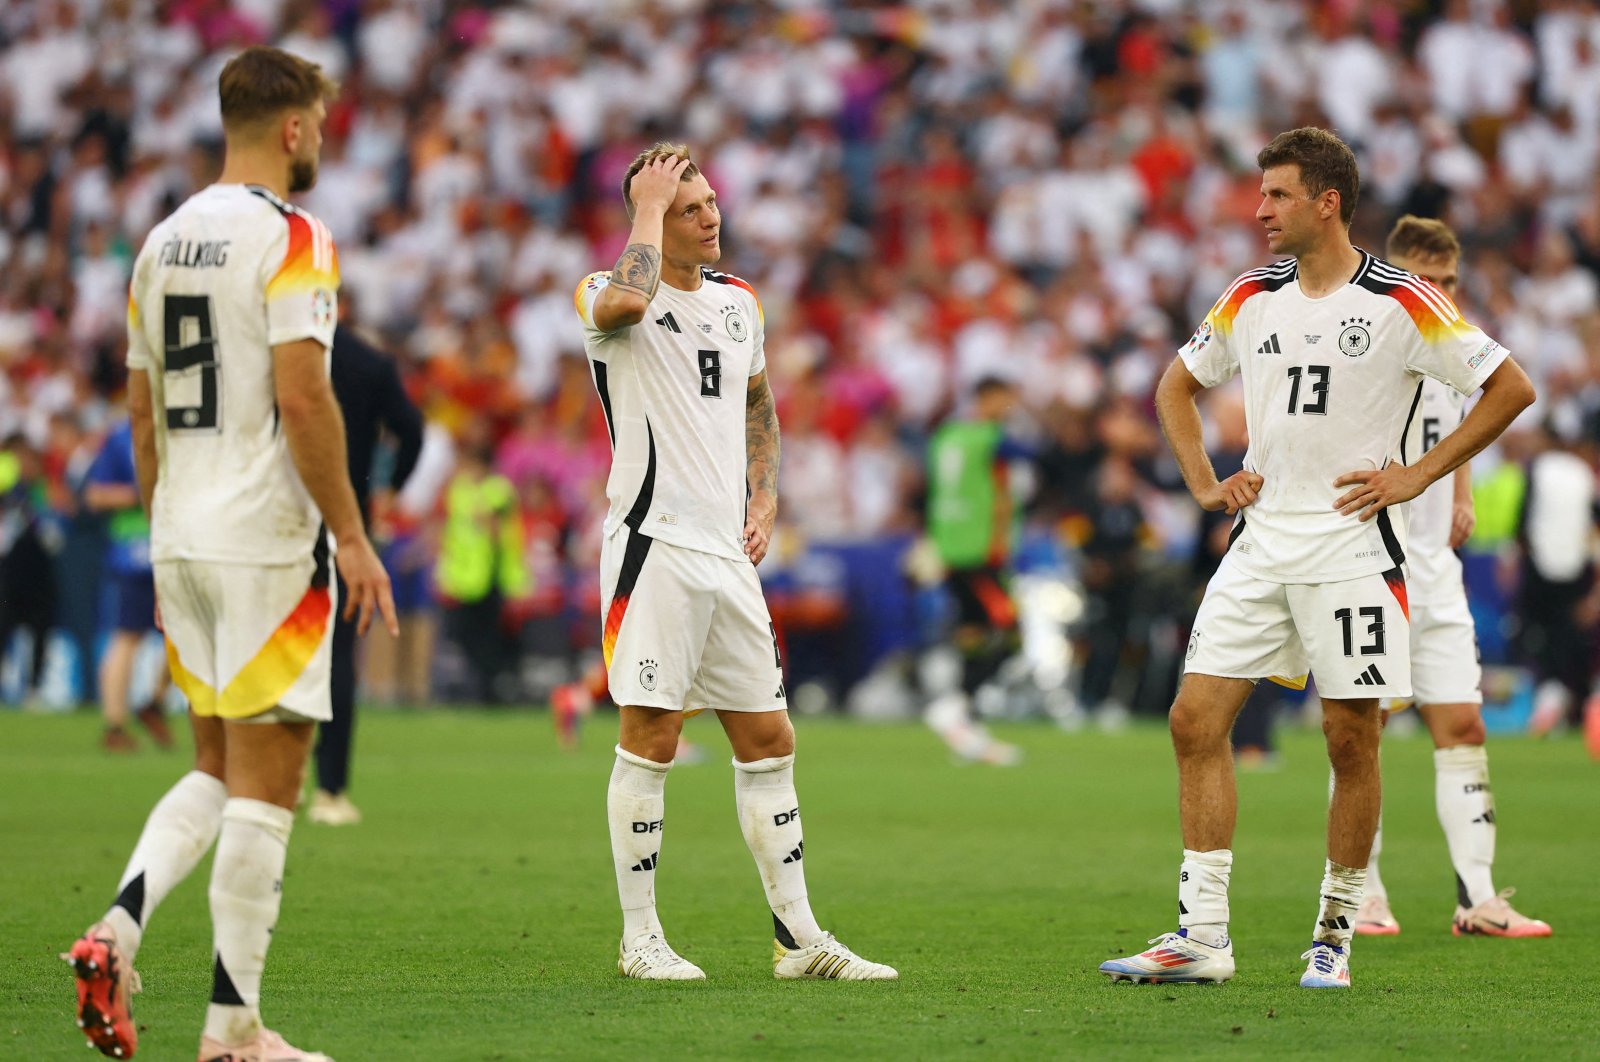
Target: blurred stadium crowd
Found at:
924, 195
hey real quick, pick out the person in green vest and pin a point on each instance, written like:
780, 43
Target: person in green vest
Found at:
480, 569
972, 522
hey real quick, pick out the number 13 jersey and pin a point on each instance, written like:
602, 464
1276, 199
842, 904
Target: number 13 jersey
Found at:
1330, 385
232, 272
673, 389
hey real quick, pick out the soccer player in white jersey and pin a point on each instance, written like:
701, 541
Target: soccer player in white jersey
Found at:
693, 496
1331, 344
1444, 656
239, 449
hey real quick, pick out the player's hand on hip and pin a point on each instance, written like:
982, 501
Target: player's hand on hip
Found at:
368, 586
1462, 521
656, 186
760, 515
1374, 489
1232, 494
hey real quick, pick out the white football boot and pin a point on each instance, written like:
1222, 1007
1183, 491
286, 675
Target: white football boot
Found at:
1175, 959
826, 960
652, 959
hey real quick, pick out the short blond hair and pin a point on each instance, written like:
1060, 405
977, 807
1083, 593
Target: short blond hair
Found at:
261, 83
661, 150
1414, 237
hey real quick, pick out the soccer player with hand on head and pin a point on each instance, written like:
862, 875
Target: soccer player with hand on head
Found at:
676, 350
1332, 344
239, 449
1445, 675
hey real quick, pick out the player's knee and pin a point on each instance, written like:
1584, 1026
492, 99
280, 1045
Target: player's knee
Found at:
1352, 741
1195, 729
656, 746
774, 738
651, 733
1464, 730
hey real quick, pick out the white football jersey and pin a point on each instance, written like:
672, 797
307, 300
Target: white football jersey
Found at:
1430, 560
234, 271
673, 388
1331, 386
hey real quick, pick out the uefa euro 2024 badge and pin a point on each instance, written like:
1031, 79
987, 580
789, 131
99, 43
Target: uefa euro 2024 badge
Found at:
323, 307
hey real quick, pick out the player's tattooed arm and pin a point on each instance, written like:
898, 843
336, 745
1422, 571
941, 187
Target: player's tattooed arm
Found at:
761, 437
638, 270
761, 450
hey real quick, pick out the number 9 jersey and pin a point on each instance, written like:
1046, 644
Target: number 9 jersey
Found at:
230, 274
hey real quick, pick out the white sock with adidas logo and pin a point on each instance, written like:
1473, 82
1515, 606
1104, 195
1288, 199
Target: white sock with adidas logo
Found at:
1466, 811
769, 815
635, 807
1342, 888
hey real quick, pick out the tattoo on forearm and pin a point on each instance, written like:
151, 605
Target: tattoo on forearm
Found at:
639, 269
761, 439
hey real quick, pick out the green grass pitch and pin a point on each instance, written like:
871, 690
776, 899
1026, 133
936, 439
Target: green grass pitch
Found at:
472, 917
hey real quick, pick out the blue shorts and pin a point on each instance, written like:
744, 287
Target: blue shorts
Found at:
133, 601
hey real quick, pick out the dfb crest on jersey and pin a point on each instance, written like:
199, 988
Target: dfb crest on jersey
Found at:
647, 674
735, 326
1355, 340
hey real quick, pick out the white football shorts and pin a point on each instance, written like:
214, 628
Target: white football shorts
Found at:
1353, 635
686, 630
1444, 642
250, 642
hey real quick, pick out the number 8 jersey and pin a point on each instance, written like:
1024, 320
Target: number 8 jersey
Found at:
231, 273
673, 390
1331, 386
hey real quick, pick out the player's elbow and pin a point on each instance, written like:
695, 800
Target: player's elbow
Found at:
616, 309
299, 406
1511, 383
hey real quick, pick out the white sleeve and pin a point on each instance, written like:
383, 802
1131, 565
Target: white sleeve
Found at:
1445, 346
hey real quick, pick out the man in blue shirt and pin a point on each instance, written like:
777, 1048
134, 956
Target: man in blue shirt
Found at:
113, 490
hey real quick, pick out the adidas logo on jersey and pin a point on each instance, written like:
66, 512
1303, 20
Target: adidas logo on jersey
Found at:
669, 323
1270, 346
1371, 677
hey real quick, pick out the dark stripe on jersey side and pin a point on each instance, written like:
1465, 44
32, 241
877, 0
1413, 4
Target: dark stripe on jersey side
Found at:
633, 556
1238, 529
1390, 542
647, 489
319, 559
1396, 578
602, 385
1405, 433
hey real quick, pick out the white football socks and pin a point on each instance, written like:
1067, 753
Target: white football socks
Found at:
1203, 895
1466, 811
246, 889
178, 832
1342, 888
769, 815
635, 806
